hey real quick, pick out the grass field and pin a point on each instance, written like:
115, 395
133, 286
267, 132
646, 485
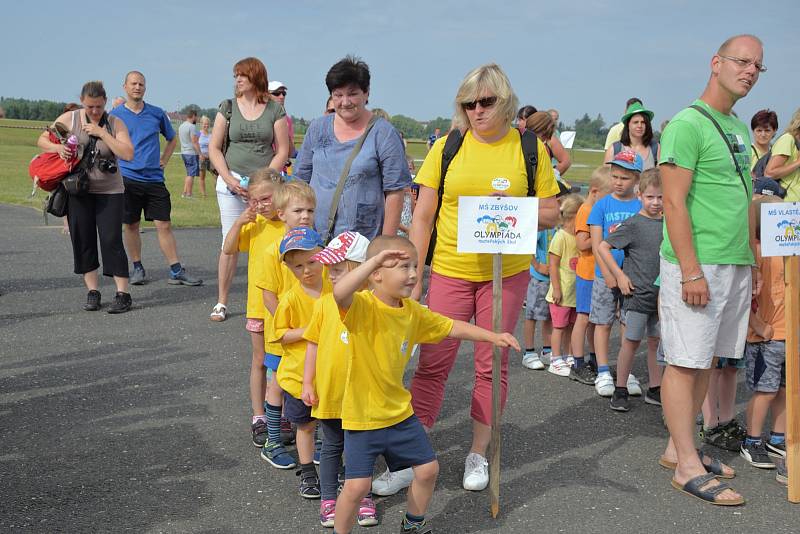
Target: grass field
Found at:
18, 146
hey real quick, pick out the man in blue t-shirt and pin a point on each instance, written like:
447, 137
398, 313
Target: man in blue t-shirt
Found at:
144, 180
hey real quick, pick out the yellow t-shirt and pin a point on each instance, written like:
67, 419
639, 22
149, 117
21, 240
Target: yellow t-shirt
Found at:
614, 135
325, 328
255, 238
293, 311
273, 275
480, 169
564, 246
381, 341
785, 146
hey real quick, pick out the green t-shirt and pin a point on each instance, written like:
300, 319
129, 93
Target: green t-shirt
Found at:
785, 146
251, 142
717, 201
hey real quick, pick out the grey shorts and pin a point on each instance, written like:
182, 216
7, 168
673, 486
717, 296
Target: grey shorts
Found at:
638, 324
606, 303
536, 308
766, 366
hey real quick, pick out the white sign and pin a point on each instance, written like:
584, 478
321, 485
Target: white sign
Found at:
492, 225
780, 229
567, 139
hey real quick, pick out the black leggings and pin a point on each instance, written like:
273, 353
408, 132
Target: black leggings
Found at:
91, 215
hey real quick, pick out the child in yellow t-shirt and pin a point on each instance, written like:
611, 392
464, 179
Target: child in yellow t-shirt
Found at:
563, 259
294, 203
256, 228
291, 316
384, 324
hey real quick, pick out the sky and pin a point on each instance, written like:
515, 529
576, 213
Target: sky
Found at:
579, 56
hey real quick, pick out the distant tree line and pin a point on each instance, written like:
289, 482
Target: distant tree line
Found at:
32, 110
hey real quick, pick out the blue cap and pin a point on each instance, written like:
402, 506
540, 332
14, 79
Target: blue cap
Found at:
628, 159
300, 238
768, 186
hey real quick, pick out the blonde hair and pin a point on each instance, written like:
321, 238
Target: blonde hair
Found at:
542, 124
491, 79
650, 178
570, 206
601, 178
266, 176
794, 124
204, 119
389, 242
294, 190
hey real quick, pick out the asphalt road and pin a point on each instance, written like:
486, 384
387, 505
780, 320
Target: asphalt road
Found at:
140, 422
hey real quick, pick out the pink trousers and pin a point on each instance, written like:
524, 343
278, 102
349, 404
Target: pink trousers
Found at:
463, 300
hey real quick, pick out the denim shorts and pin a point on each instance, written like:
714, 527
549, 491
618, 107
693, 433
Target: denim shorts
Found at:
403, 445
192, 164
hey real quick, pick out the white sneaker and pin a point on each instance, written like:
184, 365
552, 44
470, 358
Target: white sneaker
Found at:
570, 360
476, 472
531, 360
559, 367
604, 385
634, 388
390, 482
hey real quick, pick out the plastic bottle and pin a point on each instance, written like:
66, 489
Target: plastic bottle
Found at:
244, 181
72, 145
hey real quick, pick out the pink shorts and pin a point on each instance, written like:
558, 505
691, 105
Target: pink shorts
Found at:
255, 325
562, 316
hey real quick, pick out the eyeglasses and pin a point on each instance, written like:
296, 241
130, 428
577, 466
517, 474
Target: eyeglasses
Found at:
744, 63
487, 102
261, 201
278, 93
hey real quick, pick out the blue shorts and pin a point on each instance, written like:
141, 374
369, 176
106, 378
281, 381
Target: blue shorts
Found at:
402, 445
192, 164
296, 410
583, 295
272, 361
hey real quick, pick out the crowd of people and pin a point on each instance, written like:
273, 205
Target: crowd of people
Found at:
664, 243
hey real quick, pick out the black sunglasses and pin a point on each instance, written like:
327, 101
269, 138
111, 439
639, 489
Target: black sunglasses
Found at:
278, 93
487, 102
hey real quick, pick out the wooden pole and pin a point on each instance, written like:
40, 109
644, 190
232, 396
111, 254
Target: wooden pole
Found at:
497, 326
792, 302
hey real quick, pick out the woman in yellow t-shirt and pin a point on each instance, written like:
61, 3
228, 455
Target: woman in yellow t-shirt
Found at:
489, 162
784, 165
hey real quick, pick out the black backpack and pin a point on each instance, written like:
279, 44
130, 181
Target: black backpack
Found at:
530, 148
760, 169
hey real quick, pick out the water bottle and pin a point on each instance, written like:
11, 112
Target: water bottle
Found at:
244, 181
72, 145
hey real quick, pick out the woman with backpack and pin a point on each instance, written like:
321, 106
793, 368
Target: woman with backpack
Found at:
637, 135
98, 212
764, 125
245, 129
784, 164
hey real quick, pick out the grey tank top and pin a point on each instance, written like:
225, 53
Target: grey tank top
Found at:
100, 182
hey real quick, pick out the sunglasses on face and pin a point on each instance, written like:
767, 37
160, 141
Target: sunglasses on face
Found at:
487, 102
278, 93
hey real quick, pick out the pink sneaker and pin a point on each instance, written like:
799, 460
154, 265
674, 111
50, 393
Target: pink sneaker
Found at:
367, 516
327, 512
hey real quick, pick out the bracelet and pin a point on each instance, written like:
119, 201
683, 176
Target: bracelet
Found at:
693, 279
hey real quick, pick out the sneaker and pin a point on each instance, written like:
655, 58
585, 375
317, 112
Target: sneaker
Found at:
327, 512
721, 436
181, 278
92, 301
653, 396
570, 360
531, 360
619, 401
121, 304
219, 313
735, 429
476, 472
756, 455
634, 388
276, 455
416, 529
137, 276
559, 367
287, 431
604, 385
390, 482
583, 374
776, 450
309, 485
259, 429
781, 475
367, 516
317, 451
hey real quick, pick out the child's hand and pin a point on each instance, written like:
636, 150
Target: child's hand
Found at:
611, 282
625, 285
506, 340
248, 215
390, 258
557, 296
309, 396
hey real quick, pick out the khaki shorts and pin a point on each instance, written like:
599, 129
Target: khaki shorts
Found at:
692, 335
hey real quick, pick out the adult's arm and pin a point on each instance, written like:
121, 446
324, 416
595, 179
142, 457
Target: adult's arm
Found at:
421, 229
609, 155
281, 135
168, 150
392, 209
196, 143
780, 167
548, 213
395, 176
596, 233
47, 145
561, 154
215, 152
119, 142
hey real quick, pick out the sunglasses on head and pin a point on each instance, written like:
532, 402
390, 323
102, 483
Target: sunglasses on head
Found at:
278, 93
487, 102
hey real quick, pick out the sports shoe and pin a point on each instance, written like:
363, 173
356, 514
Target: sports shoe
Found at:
653, 396
327, 512
776, 451
219, 313
531, 360
619, 401
733, 428
276, 455
92, 301
259, 429
634, 388
390, 482
122, 303
416, 529
604, 385
558, 367
287, 431
756, 455
137, 276
723, 436
570, 360
782, 475
583, 374
476, 472
317, 451
367, 516
181, 278
309, 484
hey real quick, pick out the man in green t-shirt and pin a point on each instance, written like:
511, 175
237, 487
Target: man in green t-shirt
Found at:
706, 256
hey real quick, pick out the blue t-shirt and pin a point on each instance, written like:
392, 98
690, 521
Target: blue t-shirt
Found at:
144, 128
380, 167
543, 239
608, 212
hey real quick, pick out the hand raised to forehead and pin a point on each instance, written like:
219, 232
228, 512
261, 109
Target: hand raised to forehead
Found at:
391, 258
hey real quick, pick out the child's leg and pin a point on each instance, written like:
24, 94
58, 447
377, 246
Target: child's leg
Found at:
305, 442
603, 313
653, 369
555, 342
756, 413
778, 408
421, 490
547, 334
348, 502
566, 336
627, 351
602, 333
577, 339
331, 457
274, 407
528, 334
590, 337
726, 387
258, 373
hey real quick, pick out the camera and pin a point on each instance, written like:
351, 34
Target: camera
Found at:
107, 166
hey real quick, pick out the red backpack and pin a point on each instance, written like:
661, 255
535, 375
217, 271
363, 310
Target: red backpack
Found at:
48, 169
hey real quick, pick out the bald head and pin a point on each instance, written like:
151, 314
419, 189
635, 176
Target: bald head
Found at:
133, 73
731, 42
